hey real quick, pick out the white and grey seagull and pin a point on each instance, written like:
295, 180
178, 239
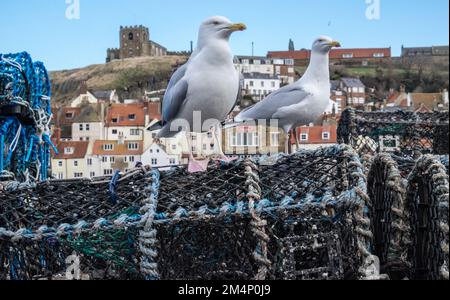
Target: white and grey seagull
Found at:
302, 102
204, 91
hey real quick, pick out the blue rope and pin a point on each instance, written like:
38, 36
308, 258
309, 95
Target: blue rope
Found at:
113, 186
25, 93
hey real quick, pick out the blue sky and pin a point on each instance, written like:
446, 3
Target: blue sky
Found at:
41, 28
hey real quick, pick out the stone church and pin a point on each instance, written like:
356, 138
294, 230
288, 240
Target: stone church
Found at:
135, 42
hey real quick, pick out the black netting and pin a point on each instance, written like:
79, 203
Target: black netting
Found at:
302, 217
402, 133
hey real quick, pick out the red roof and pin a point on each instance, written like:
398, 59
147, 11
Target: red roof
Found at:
315, 134
154, 110
67, 115
334, 54
126, 115
71, 150
117, 148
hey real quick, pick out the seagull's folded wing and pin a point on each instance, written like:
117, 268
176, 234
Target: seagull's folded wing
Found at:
269, 107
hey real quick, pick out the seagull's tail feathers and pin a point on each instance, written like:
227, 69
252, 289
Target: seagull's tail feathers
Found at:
155, 127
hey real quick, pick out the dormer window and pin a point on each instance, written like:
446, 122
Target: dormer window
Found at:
69, 150
325, 135
132, 117
347, 55
69, 115
108, 147
114, 120
304, 137
133, 146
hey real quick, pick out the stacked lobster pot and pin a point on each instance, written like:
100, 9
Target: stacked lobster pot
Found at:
25, 116
406, 161
302, 216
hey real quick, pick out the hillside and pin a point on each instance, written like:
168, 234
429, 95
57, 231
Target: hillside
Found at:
130, 77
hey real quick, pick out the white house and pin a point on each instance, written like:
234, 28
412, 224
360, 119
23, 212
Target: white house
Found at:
254, 64
259, 85
156, 156
96, 97
88, 125
115, 155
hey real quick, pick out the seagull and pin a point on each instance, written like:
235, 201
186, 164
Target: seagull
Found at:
302, 102
202, 93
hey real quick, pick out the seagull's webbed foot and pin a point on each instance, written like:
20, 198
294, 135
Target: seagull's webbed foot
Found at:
197, 166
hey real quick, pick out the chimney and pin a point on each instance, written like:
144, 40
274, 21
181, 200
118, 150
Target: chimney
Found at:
83, 87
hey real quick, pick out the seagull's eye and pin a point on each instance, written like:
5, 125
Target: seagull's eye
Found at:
216, 23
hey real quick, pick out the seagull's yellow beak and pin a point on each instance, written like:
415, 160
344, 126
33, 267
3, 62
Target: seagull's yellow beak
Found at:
237, 27
335, 44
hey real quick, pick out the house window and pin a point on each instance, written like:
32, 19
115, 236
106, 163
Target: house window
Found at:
69, 115
89, 162
154, 161
304, 137
60, 163
78, 175
347, 55
108, 172
262, 83
75, 163
132, 117
273, 84
81, 127
114, 131
134, 132
88, 127
275, 139
61, 176
131, 158
133, 146
114, 120
108, 147
69, 150
104, 159
92, 174
112, 159
325, 136
241, 139
174, 147
252, 83
172, 161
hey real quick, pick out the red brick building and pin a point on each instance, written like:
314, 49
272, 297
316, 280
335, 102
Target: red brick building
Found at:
357, 56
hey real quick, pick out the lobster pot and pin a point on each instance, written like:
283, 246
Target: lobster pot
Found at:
78, 229
401, 133
286, 217
25, 115
409, 214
